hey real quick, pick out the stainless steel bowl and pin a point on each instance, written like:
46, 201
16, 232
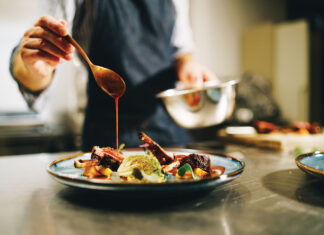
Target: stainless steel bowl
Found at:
196, 108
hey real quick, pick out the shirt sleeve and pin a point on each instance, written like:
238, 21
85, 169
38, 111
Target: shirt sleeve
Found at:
60, 9
182, 35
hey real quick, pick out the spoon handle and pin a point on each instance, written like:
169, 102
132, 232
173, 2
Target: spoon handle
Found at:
80, 50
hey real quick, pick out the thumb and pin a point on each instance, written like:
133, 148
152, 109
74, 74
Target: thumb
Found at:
63, 22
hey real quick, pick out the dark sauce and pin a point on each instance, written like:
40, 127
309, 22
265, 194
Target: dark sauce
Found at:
117, 130
217, 171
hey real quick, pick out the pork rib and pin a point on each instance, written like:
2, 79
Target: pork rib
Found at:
156, 149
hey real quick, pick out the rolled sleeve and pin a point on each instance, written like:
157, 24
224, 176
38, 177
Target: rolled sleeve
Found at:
182, 38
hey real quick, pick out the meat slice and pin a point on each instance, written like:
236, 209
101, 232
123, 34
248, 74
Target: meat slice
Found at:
156, 149
100, 153
110, 162
195, 161
107, 157
171, 167
264, 127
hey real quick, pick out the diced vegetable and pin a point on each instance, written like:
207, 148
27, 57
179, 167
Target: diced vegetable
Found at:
199, 172
90, 172
104, 171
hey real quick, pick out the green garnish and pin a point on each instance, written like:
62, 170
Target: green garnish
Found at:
298, 150
186, 167
121, 147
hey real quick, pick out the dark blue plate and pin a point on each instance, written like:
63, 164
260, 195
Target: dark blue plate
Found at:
63, 171
312, 163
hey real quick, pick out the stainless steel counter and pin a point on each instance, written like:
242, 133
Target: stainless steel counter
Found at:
272, 196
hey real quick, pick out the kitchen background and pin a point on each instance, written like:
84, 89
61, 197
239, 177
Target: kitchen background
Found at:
277, 44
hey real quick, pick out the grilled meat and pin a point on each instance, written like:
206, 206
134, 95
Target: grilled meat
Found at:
195, 161
264, 127
100, 153
156, 149
107, 157
171, 167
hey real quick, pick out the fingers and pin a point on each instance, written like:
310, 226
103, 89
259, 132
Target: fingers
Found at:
56, 26
208, 75
59, 42
45, 46
191, 79
45, 41
193, 75
34, 55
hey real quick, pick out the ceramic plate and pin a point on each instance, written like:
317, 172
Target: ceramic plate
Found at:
312, 163
63, 171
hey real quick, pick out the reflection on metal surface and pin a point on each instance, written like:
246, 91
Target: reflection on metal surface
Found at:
193, 101
214, 94
294, 184
227, 230
38, 219
200, 108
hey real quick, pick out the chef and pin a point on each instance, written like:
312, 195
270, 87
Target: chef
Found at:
147, 42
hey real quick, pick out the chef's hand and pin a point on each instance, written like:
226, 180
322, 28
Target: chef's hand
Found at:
191, 73
41, 50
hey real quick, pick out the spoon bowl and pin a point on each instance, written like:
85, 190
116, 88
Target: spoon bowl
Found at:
108, 80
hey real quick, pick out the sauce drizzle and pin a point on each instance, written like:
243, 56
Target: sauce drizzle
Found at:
116, 104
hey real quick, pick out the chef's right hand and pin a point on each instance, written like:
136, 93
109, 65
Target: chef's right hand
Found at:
42, 48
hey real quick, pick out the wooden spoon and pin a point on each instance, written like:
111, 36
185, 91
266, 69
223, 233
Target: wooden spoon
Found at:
108, 80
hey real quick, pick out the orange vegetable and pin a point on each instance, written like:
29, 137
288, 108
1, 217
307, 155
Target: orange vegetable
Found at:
91, 172
199, 172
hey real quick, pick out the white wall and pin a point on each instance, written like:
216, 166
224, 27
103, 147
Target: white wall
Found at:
15, 17
291, 70
217, 27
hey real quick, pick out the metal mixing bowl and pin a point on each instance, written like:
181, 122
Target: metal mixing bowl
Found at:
196, 108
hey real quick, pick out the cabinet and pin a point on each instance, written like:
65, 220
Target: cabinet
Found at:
280, 53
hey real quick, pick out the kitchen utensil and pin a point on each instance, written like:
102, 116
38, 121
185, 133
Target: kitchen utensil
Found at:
207, 106
107, 79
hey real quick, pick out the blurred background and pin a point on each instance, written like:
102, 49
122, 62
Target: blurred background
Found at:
276, 46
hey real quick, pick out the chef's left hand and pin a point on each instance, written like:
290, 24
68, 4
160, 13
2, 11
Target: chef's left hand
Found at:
191, 73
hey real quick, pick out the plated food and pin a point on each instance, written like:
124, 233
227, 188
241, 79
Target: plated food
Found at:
154, 164
64, 171
304, 128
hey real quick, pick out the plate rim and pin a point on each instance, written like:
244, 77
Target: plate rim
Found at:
306, 167
147, 184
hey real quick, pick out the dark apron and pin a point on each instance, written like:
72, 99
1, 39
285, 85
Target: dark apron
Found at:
132, 38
